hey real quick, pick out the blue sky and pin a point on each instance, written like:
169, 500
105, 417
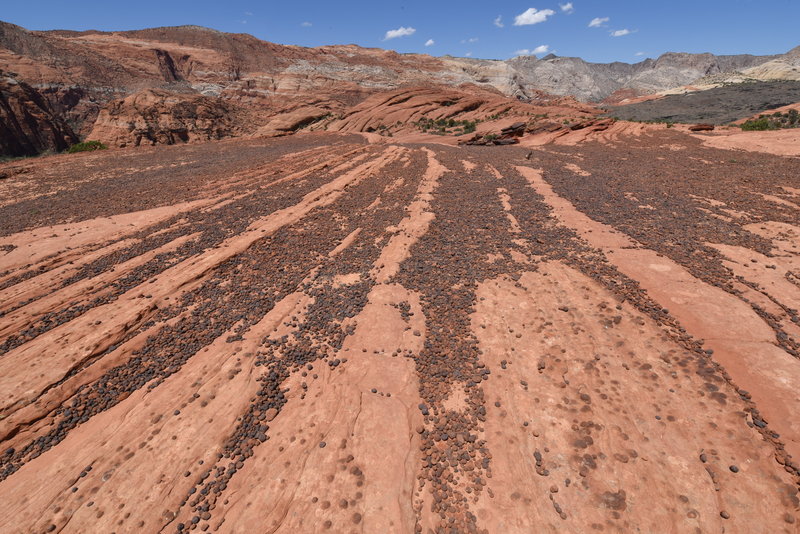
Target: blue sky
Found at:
622, 30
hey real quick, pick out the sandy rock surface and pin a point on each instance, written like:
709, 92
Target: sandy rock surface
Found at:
595, 331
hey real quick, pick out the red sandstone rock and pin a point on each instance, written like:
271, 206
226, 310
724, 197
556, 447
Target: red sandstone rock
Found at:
160, 117
478, 342
28, 124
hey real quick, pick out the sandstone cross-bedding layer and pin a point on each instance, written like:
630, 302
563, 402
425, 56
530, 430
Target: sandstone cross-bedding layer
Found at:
317, 334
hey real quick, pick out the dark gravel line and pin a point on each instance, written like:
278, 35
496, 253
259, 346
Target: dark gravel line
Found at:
242, 288
140, 179
677, 225
318, 336
214, 226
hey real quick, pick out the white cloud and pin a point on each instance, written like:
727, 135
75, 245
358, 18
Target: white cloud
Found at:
468, 54
399, 32
567, 8
248, 14
639, 54
430, 42
541, 49
499, 21
470, 40
620, 33
598, 21
532, 16
306, 24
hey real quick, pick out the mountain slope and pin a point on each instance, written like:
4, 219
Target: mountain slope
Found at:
719, 105
81, 73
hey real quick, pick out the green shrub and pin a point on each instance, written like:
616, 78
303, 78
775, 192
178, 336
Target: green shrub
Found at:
87, 146
775, 121
759, 124
445, 126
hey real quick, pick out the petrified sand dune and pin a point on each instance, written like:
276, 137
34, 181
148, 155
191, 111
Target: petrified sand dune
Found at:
781, 143
595, 332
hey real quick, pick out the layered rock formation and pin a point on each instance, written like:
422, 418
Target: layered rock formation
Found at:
598, 81
282, 88
160, 117
81, 72
28, 125
406, 106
